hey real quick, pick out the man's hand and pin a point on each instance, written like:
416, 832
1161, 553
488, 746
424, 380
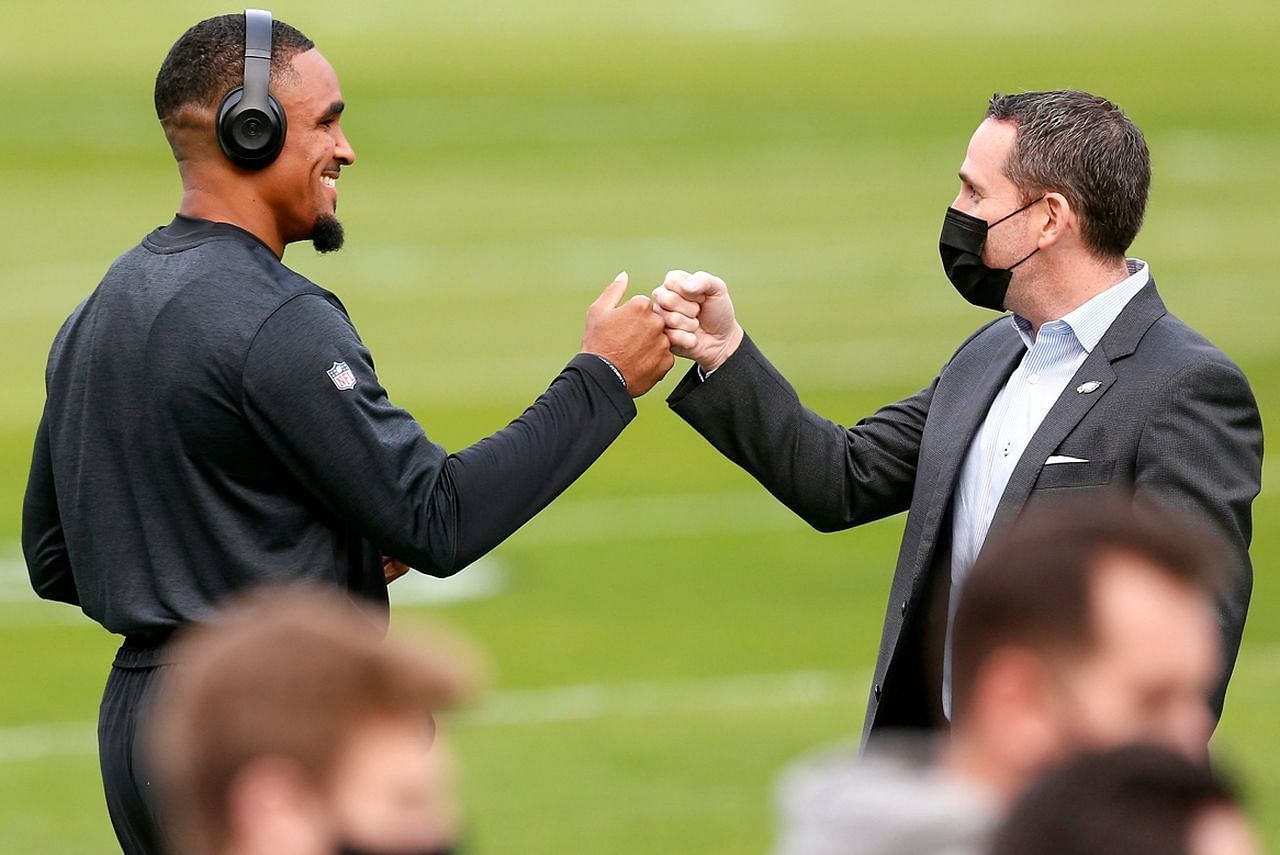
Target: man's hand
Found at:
393, 569
699, 319
630, 336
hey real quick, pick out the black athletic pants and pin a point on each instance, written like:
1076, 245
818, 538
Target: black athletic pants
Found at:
130, 799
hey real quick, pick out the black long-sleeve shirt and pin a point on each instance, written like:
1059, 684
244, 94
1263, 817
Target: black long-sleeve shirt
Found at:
213, 421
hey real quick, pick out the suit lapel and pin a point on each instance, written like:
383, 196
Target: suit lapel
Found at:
964, 408
1120, 340
1066, 413
959, 405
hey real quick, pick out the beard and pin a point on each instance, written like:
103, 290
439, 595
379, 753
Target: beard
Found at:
327, 235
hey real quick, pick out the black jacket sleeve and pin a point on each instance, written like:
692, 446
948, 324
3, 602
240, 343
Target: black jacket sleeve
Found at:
371, 463
1201, 454
43, 544
831, 476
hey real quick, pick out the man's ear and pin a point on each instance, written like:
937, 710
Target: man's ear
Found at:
271, 807
1015, 692
1060, 220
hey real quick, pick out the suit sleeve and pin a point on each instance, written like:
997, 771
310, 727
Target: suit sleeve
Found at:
371, 463
1201, 454
831, 476
43, 543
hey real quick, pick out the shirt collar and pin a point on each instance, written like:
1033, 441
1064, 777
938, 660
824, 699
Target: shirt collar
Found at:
185, 232
1090, 321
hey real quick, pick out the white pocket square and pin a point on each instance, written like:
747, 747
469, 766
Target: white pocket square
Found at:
1062, 458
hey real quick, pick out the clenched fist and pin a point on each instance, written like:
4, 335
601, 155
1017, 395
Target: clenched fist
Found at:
630, 336
698, 315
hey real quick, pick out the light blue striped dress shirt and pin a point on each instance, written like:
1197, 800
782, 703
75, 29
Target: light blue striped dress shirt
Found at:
1053, 356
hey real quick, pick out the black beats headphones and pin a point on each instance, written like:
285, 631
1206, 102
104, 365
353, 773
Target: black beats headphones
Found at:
251, 123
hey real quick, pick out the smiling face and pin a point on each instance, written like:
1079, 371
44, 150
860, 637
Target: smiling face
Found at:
300, 187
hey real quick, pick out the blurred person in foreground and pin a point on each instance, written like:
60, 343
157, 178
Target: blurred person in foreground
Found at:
213, 420
1128, 801
290, 726
1090, 382
1089, 625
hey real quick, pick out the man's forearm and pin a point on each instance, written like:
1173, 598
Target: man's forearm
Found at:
830, 476
502, 481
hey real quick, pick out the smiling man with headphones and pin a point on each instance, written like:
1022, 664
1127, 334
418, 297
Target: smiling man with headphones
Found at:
293, 186
214, 422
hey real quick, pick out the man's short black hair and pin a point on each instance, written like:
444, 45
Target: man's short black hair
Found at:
208, 62
1084, 147
1120, 802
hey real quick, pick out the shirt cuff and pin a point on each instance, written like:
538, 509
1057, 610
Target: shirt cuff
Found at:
604, 378
613, 368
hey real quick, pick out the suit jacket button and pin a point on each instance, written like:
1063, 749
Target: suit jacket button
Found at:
904, 607
876, 691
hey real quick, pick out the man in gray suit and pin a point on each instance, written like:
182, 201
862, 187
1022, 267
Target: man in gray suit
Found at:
1090, 384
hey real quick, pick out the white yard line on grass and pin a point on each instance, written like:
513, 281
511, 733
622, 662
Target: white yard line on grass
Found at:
578, 521
52, 739
600, 701
552, 705
742, 693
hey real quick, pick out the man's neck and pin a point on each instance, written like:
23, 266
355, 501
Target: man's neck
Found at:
1060, 292
248, 214
967, 759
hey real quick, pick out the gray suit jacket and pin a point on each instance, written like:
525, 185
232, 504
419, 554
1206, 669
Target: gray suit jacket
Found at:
1173, 419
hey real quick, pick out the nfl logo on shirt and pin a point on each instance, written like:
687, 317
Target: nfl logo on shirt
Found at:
342, 376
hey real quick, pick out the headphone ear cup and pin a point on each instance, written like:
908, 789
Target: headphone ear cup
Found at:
250, 137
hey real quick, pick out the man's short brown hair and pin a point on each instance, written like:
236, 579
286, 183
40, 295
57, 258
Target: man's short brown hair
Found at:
287, 673
1086, 148
1033, 588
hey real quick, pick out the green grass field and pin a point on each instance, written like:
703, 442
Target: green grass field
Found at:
513, 156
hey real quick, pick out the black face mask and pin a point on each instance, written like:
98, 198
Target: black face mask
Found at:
963, 238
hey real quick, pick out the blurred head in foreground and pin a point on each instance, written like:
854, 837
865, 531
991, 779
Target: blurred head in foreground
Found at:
1129, 800
291, 727
1092, 625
